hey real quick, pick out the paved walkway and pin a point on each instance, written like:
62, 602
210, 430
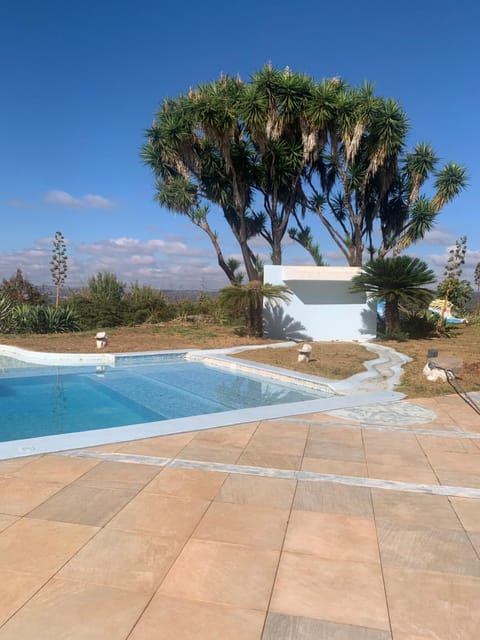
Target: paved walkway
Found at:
362, 525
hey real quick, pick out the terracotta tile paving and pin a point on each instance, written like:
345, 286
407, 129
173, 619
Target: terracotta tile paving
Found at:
187, 483
98, 548
224, 573
82, 504
178, 619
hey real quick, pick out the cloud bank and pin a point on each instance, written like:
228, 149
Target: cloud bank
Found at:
89, 201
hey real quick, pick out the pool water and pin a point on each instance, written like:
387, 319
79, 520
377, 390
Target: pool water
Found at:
39, 401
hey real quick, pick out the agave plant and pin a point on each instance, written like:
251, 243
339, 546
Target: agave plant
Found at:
58, 320
6, 323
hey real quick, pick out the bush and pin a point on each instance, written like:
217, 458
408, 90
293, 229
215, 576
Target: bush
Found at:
146, 304
95, 313
419, 325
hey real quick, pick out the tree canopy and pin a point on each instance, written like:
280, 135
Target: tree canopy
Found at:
282, 149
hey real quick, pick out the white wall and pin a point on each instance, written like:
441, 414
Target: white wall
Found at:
321, 306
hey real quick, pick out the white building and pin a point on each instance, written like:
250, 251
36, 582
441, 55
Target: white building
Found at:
321, 305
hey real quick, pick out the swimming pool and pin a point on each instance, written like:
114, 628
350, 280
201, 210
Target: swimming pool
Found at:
48, 401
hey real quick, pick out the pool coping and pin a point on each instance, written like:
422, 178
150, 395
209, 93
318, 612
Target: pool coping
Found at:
345, 397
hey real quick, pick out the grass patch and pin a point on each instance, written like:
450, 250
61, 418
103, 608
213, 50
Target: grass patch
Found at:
335, 360
462, 342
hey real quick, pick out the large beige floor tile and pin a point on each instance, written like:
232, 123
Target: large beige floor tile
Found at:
6, 521
468, 510
15, 589
67, 610
51, 468
459, 478
417, 474
18, 496
441, 550
119, 475
414, 509
277, 441
167, 516
389, 443
348, 437
335, 451
278, 426
284, 627
12, 465
124, 559
452, 461
258, 490
162, 446
176, 619
253, 457
329, 497
333, 536
235, 436
41, 547
223, 573
208, 451
452, 445
332, 590
335, 467
243, 524
187, 483
82, 504
431, 605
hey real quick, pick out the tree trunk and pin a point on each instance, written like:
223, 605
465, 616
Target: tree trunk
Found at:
276, 249
392, 316
255, 309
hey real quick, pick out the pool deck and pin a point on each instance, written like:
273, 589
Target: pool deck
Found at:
351, 524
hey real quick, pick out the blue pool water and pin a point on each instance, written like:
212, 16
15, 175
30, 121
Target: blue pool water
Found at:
39, 401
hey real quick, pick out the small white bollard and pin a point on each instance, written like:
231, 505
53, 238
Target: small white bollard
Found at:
101, 339
304, 353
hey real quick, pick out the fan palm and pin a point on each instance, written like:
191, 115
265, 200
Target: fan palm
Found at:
397, 280
246, 300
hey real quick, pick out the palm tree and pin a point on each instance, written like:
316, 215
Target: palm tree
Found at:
397, 280
246, 300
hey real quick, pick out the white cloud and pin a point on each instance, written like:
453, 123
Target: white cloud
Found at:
160, 263
21, 204
89, 201
438, 236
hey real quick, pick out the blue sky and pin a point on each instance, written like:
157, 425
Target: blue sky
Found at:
81, 82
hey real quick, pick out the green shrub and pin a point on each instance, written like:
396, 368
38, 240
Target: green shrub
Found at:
419, 325
146, 304
96, 313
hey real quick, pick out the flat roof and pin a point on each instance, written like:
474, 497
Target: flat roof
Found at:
335, 274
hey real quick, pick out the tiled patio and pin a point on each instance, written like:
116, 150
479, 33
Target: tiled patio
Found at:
309, 528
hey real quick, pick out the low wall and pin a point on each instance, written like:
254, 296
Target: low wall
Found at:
321, 306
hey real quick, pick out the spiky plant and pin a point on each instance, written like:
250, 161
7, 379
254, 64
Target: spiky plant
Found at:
398, 280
